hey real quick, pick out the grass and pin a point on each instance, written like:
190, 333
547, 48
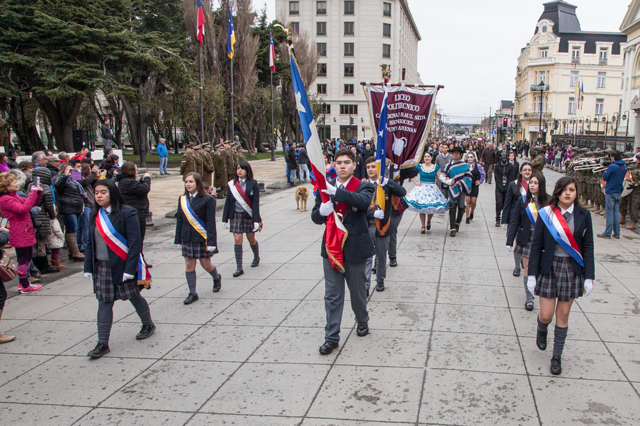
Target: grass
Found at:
176, 159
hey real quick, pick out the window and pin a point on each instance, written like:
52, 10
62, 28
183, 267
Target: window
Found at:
322, 49
599, 106
322, 70
294, 8
348, 70
349, 7
321, 8
386, 30
321, 28
326, 108
573, 80
572, 106
575, 55
543, 52
348, 28
386, 9
602, 77
536, 104
295, 27
322, 89
348, 49
622, 81
348, 89
386, 50
349, 109
603, 56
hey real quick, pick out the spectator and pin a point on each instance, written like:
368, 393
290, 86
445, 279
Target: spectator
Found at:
22, 235
368, 152
293, 165
70, 202
361, 170
63, 157
39, 159
330, 171
4, 240
12, 159
81, 155
107, 135
89, 177
303, 160
47, 212
55, 242
488, 159
27, 168
163, 153
53, 164
614, 178
3, 163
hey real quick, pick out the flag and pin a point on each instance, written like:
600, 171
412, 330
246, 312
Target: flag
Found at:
335, 233
381, 151
272, 55
231, 37
200, 23
581, 97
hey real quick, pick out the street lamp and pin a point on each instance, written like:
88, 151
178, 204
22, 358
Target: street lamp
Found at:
540, 88
626, 117
324, 120
138, 82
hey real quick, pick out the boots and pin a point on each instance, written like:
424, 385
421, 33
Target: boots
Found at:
623, 220
597, 210
72, 246
631, 225
3, 337
43, 265
56, 264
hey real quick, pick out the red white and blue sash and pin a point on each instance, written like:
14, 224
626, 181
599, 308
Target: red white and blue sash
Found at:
242, 199
524, 186
118, 244
557, 226
532, 212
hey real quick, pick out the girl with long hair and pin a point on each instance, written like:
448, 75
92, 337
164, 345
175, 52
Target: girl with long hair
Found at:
196, 233
478, 176
426, 199
70, 197
242, 208
517, 188
524, 216
561, 263
113, 262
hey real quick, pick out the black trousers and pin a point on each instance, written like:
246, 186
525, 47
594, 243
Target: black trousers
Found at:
500, 197
456, 210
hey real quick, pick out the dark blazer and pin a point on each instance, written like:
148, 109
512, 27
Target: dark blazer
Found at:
205, 208
543, 246
127, 224
519, 225
253, 192
135, 192
359, 245
391, 188
509, 202
361, 170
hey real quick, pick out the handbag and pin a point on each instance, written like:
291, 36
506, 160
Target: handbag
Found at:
8, 268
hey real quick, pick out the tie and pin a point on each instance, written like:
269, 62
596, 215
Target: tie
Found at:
566, 215
341, 186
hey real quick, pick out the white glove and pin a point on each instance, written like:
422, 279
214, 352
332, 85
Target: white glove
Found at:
384, 182
588, 287
331, 190
226, 225
179, 246
89, 276
256, 226
326, 208
510, 249
531, 284
211, 249
378, 214
504, 226
443, 179
127, 277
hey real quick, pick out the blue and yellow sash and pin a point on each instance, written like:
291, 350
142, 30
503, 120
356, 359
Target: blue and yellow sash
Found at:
192, 218
532, 212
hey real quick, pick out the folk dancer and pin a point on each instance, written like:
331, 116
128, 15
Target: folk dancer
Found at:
457, 177
426, 198
478, 176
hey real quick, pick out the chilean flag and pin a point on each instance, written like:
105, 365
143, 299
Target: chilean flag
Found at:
335, 233
272, 55
200, 23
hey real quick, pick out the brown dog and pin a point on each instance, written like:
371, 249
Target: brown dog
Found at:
302, 194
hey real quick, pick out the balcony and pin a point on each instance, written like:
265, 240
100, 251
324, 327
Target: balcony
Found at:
537, 115
575, 61
603, 61
541, 61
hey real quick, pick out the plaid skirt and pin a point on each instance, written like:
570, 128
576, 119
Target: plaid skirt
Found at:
240, 225
561, 283
194, 250
525, 251
106, 291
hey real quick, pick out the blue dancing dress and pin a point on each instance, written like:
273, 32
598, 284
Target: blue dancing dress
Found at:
427, 198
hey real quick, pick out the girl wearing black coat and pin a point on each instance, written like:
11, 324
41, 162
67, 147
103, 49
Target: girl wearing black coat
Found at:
521, 226
135, 193
113, 277
556, 277
70, 203
190, 239
241, 221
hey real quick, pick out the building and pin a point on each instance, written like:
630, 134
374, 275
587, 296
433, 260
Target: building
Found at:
354, 38
504, 122
630, 122
561, 56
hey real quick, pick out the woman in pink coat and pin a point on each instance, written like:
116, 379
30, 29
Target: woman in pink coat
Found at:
22, 235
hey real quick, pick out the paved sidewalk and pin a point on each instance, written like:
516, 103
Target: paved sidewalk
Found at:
450, 342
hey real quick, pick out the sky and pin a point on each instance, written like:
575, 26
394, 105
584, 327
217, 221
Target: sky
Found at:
474, 54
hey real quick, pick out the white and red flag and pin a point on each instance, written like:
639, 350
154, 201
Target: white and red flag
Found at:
272, 55
200, 23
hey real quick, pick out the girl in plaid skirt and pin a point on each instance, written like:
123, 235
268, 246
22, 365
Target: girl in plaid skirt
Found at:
244, 214
555, 276
196, 233
520, 225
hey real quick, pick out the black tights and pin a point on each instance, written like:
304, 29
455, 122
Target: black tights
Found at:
105, 316
3, 295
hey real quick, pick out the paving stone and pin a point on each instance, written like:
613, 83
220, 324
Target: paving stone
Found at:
295, 346
226, 419
48, 337
45, 415
473, 319
103, 416
14, 365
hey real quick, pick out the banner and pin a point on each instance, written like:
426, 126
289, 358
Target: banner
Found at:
410, 111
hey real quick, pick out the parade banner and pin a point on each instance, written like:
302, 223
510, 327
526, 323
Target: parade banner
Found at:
410, 112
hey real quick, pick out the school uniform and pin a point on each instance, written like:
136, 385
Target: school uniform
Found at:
194, 245
521, 230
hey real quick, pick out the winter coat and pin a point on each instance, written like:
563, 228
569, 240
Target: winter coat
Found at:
46, 204
56, 239
162, 150
135, 192
16, 209
88, 184
69, 195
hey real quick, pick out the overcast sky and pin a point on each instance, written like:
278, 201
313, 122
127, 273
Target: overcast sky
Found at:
472, 46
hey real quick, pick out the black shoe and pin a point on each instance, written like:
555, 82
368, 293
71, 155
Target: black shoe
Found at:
256, 262
367, 292
238, 272
541, 340
190, 299
393, 262
457, 227
99, 350
149, 266
146, 331
380, 286
49, 270
468, 221
363, 329
471, 216
497, 224
217, 284
453, 233
429, 226
328, 347
528, 306
422, 231
516, 272
556, 366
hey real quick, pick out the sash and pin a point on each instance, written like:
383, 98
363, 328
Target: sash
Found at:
192, 218
242, 198
523, 190
352, 186
557, 226
118, 244
532, 212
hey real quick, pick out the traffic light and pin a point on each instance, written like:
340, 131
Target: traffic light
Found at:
505, 122
363, 128
555, 125
351, 120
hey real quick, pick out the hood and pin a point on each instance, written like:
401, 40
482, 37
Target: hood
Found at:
44, 174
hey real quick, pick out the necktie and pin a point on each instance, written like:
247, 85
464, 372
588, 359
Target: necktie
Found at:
566, 215
341, 186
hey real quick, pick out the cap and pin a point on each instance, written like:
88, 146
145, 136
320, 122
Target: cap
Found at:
220, 145
583, 150
197, 147
628, 154
539, 148
53, 159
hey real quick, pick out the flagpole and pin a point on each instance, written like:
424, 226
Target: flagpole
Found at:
233, 135
273, 129
201, 110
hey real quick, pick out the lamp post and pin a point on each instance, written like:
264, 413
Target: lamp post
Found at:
626, 117
540, 88
138, 81
324, 120
605, 120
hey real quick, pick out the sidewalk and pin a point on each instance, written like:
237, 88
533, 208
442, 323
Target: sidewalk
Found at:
450, 342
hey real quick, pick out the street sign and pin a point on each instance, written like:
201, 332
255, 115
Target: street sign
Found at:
493, 132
